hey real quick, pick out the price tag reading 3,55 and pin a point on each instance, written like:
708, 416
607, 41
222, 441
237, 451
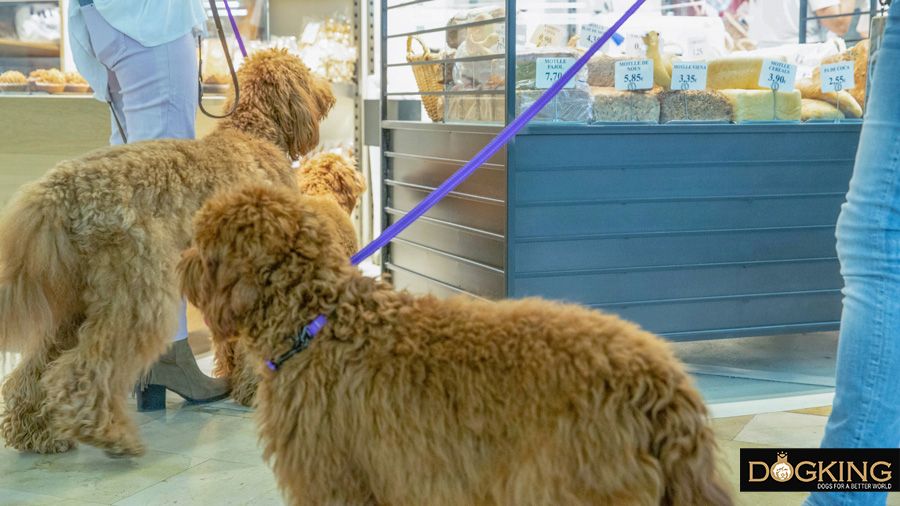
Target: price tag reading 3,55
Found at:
634, 75
837, 77
689, 75
549, 70
778, 75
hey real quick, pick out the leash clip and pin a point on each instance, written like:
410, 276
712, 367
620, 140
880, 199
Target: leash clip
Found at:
301, 342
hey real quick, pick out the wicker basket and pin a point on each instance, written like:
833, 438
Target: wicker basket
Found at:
428, 78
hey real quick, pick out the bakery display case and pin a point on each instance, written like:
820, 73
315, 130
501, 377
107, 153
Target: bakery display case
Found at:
698, 211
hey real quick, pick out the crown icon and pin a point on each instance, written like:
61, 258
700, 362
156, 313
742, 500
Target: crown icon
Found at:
782, 455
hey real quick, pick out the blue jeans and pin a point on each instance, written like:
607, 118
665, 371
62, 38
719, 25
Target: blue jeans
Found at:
153, 90
866, 409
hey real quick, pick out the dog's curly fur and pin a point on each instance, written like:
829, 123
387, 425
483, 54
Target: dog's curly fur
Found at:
334, 185
87, 257
404, 399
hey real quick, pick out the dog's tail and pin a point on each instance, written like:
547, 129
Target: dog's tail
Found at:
687, 452
37, 266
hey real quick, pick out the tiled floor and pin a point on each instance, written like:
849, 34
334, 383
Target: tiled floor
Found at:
201, 455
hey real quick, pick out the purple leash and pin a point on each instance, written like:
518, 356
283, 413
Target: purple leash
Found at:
237, 34
302, 339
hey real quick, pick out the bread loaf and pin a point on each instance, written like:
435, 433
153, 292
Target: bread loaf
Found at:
859, 55
611, 105
763, 105
848, 105
819, 109
568, 105
708, 105
734, 73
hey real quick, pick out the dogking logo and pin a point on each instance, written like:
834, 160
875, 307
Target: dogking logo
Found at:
781, 470
840, 469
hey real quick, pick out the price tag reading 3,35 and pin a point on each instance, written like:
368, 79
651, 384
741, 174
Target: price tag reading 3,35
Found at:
778, 75
634, 75
689, 75
837, 77
549, 70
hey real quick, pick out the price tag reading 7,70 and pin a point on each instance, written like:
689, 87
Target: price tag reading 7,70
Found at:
634, 75
689, 75
837, 77
778, 75
549, 70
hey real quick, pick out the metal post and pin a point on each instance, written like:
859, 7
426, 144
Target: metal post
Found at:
804, 15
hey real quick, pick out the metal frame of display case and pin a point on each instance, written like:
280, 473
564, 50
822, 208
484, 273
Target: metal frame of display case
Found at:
694, 231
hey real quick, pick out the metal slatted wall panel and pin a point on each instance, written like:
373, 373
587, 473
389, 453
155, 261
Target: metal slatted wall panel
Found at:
459, 246
692, 231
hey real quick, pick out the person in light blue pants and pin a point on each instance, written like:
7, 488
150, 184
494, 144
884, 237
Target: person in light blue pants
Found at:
140, 56
866, 411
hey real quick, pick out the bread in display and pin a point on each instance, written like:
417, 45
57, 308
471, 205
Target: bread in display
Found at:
708, 105
602, 70
739, 73
819, 109
859, 55
567, 106
611, 105
12, 80
456, 37
848, 105
763, 105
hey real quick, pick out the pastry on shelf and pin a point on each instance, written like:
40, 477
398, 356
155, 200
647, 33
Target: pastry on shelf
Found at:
706, 105
611, 105
847, 104
34, 77
12, 80
859, 55
763, 105
51, 81
819, 109
737, 73
75, 83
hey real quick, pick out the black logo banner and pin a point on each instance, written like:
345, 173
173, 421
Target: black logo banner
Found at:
815, 469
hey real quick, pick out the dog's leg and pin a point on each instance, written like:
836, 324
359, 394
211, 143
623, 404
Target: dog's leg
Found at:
224, 359
244, 380
130, 316
25, 424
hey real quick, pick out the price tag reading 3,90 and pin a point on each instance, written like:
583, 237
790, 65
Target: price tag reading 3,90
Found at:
778, 75
549, 70
689, 75
837, 77
634, 75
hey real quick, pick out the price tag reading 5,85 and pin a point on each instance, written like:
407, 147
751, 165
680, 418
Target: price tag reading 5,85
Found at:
634, 75
837, 77
549, 70
689, 75
778, 75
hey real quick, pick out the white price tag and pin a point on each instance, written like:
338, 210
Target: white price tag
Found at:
837, 76
634, 46
548, 35
310, 33
590, 33
549, 70
634, 75
697, 47
689, 75
778, 75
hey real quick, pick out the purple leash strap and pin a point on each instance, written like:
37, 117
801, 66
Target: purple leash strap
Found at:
234, 27
449, 185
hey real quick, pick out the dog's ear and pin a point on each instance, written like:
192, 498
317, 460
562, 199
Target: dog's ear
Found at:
281, 100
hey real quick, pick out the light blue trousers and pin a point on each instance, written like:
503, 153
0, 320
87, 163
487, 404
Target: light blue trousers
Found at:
866, 409
153, 89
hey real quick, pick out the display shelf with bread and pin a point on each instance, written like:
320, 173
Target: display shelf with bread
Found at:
700, 210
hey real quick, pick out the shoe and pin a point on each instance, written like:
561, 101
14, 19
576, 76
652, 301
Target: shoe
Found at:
177, 370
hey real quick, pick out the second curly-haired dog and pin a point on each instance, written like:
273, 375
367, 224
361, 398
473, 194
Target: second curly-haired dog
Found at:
88, 253
333, 185
406, 399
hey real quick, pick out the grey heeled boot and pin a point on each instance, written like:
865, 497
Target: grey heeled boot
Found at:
177, 370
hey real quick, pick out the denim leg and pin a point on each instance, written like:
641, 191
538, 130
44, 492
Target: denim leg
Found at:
866, 409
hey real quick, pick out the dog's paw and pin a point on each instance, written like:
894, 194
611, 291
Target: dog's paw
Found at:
119, 451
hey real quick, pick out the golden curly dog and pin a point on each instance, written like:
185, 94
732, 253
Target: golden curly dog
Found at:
88, 290
333, 184
405, 399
